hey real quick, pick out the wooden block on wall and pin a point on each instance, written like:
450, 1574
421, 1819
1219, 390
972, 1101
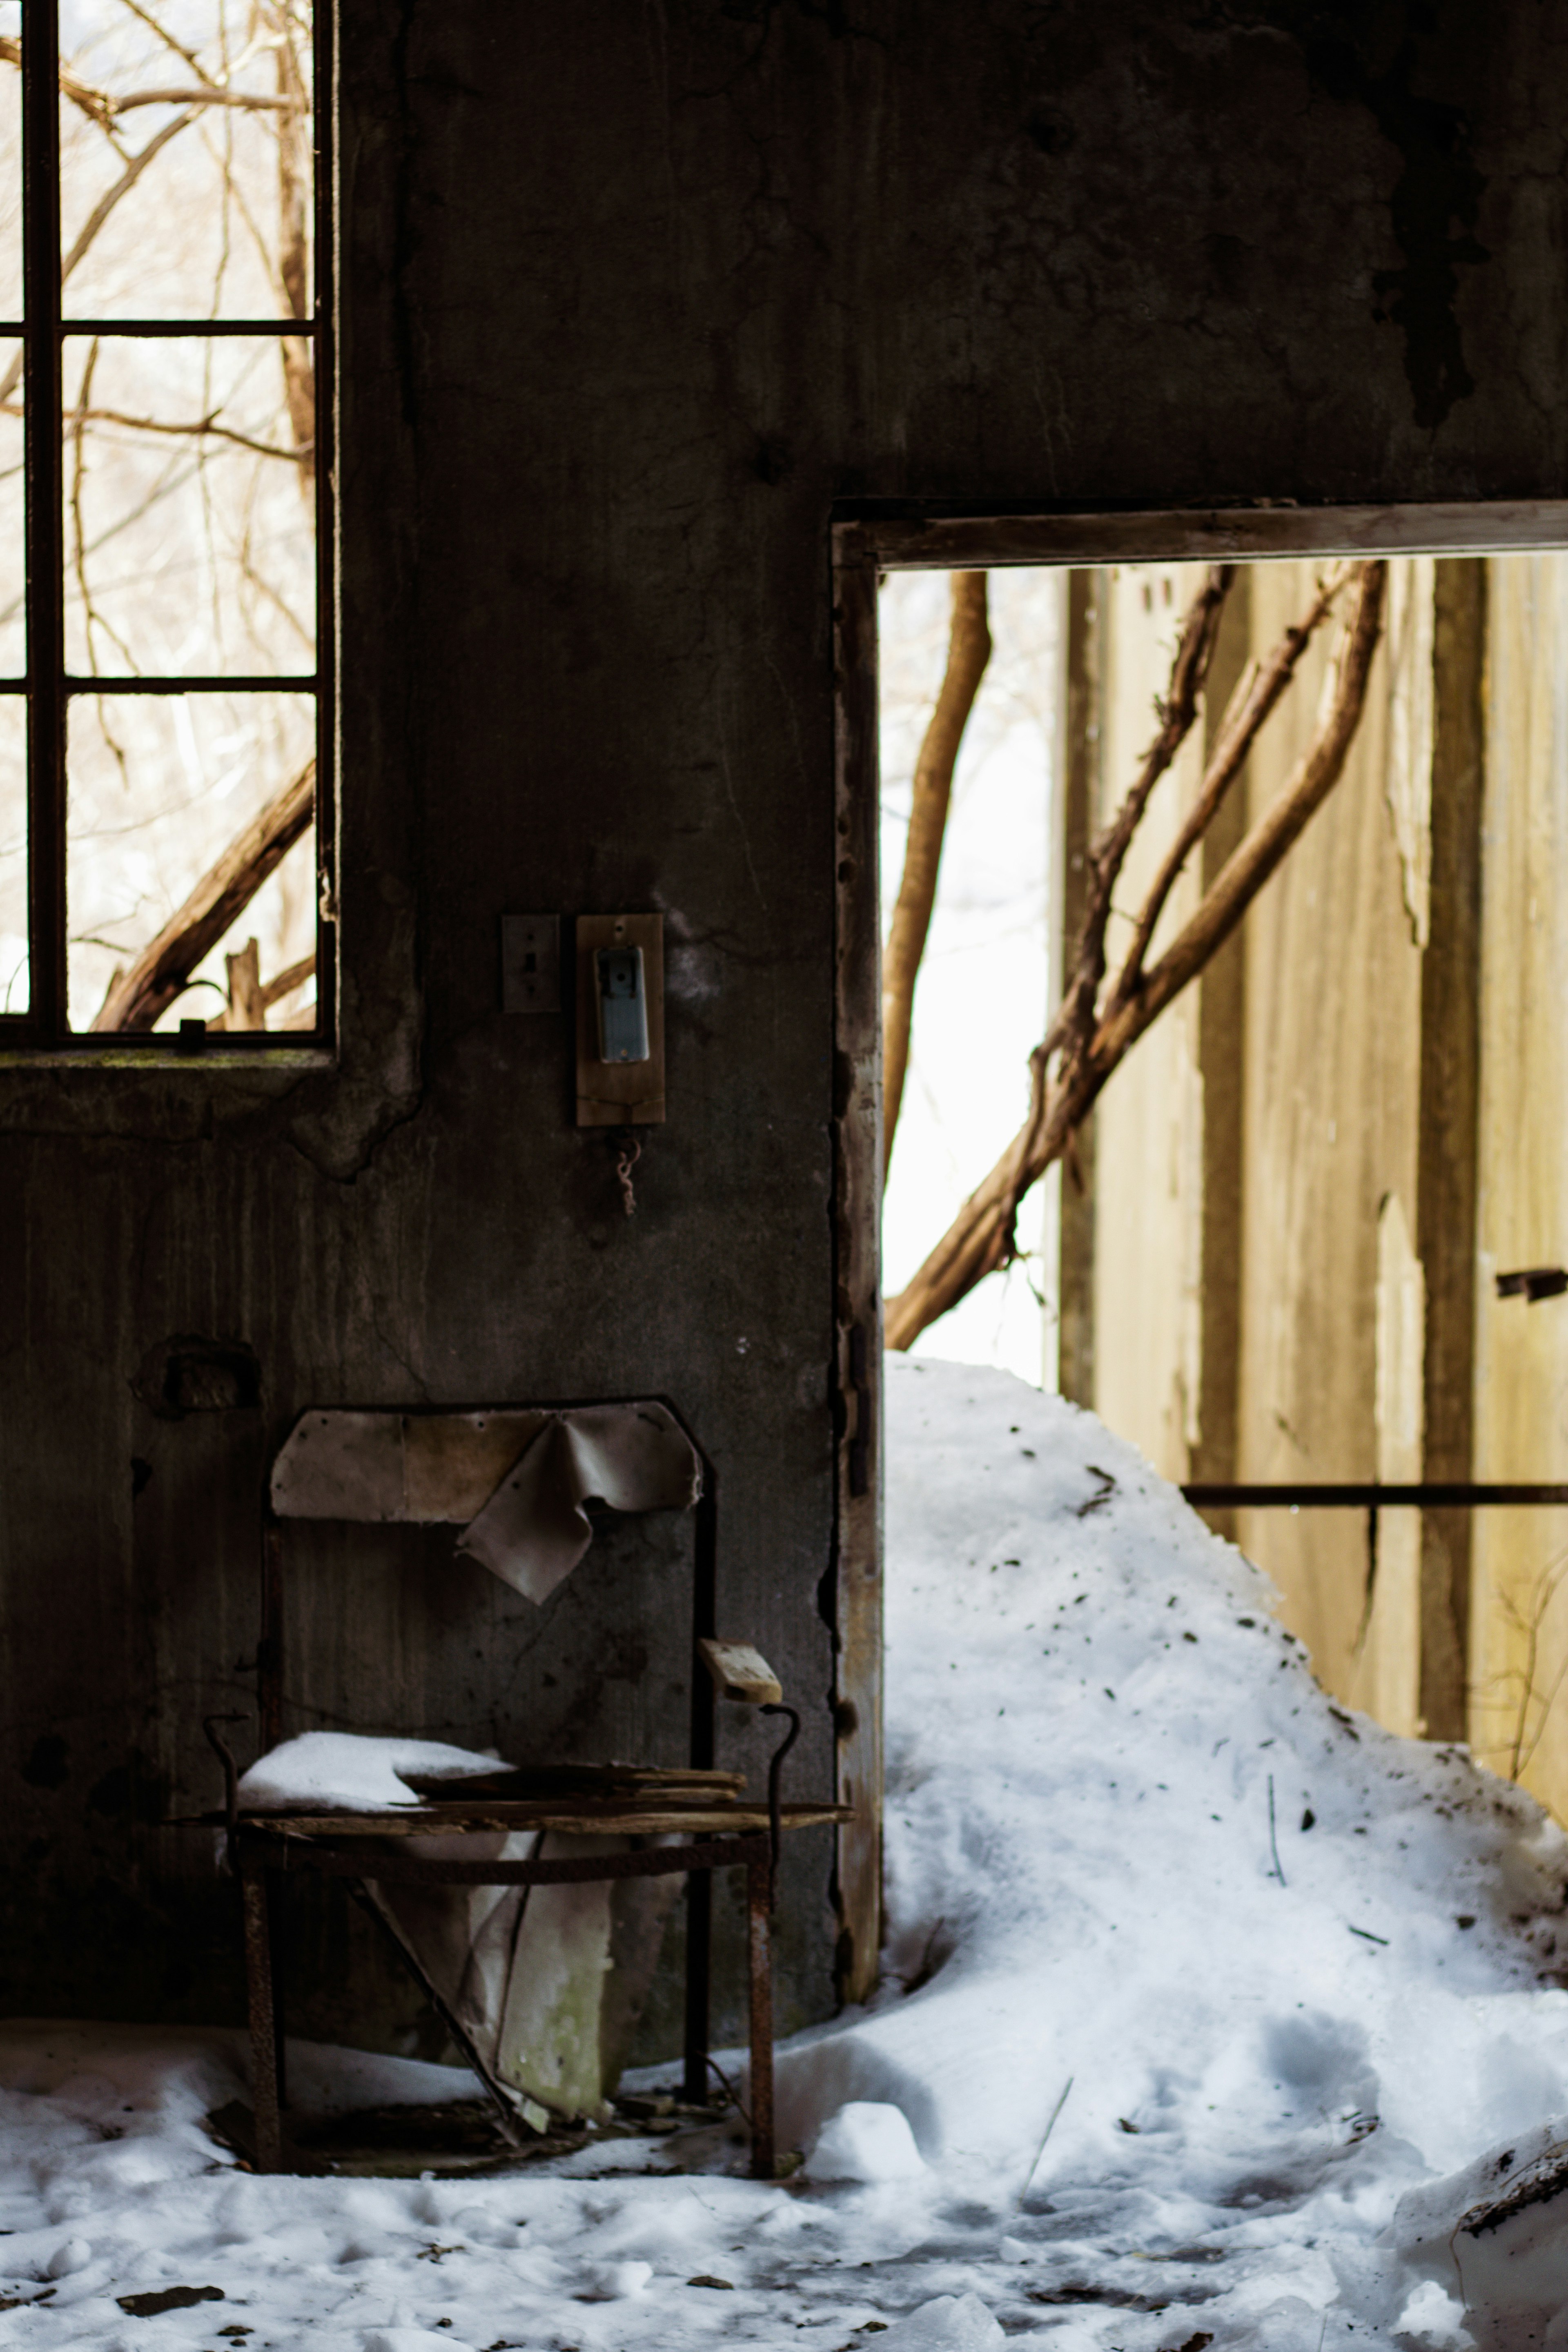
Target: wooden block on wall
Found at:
740, 1672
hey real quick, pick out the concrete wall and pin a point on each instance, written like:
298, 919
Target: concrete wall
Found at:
632, 295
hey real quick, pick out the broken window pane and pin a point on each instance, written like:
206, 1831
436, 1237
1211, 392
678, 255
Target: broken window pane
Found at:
10, 160
186, 159
13, 853
161, 788
189, 510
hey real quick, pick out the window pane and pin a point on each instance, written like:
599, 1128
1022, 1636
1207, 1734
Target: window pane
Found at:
12, 516
197, 204
189, 550
158, 787
13, 853
10, 162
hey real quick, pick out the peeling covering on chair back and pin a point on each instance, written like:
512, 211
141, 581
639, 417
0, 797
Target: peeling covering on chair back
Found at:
516, 1478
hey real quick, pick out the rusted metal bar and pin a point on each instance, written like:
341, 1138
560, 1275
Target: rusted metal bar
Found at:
703, 1735
269, 1639
699, 1986
202, 328
1436, 1495
775, 1776
224, 1755
508, 2122
263, 2034
389, 1858
307, 681
760, 1971
48, 997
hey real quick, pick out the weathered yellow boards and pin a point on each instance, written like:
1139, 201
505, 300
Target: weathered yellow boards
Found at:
1329, 1140
1387, 992
1329, 1015
1148, 1161
1521, 1360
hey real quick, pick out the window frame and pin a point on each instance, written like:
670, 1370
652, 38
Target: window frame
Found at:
42, 1033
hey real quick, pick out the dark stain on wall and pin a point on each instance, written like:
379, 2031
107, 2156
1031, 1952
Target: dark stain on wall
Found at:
1436, 202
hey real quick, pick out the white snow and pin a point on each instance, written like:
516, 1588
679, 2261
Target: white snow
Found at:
864, 2139
1217, 2015
342, 1771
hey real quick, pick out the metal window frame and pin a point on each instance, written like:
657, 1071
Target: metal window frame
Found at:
867, 538
42, 1032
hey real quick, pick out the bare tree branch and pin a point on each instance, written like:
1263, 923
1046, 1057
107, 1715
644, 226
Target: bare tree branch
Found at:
96, 103
139, 995
201, 424
256, 101
1254, 697
273, 991
981, 1236
189, 57
293, 253
968, 651
246, 1008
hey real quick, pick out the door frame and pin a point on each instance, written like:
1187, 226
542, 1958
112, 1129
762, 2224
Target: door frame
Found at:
868, 540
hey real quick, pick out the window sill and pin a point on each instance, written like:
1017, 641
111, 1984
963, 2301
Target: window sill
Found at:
91, 1055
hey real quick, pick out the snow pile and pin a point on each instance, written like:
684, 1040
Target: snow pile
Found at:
1130, 1844
1214, 2016
339, 1771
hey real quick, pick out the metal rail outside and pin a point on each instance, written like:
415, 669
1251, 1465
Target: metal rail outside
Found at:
1348, 1495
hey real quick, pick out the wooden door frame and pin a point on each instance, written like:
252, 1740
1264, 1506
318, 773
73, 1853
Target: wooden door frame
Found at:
866, 543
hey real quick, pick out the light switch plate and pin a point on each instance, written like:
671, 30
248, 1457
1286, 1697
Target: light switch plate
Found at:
620, 1094
531, 963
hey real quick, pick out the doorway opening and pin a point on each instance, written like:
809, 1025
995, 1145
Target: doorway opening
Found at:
1308, 1236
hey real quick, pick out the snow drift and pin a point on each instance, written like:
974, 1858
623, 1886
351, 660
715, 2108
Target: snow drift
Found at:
1214, 2016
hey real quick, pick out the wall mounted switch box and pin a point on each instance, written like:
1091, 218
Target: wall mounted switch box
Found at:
620, 1020
531, 963
619, 983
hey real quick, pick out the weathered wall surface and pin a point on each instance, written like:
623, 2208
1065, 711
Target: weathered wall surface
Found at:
1329, 1131
1519, 1622
631, 296
1148, 1166
1400, 1146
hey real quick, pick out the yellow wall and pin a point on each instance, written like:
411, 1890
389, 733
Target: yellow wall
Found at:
1332, 1352
1149, 1134
1330, 1134
1521, 1369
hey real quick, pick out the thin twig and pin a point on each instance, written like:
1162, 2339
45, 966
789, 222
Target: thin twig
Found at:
1273, 1841
1255, 696
199, 425
1045, 2136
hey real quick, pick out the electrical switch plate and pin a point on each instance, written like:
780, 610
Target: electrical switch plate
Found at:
621, 995
620, 1093
531, 963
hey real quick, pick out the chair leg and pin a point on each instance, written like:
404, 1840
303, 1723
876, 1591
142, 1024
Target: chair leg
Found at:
759, 1949
263, 2019
698, 1963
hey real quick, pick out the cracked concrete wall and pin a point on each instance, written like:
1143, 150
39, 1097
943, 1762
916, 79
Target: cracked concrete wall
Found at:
633, 292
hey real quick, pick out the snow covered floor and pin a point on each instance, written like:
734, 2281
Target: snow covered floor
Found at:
1288, 1986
